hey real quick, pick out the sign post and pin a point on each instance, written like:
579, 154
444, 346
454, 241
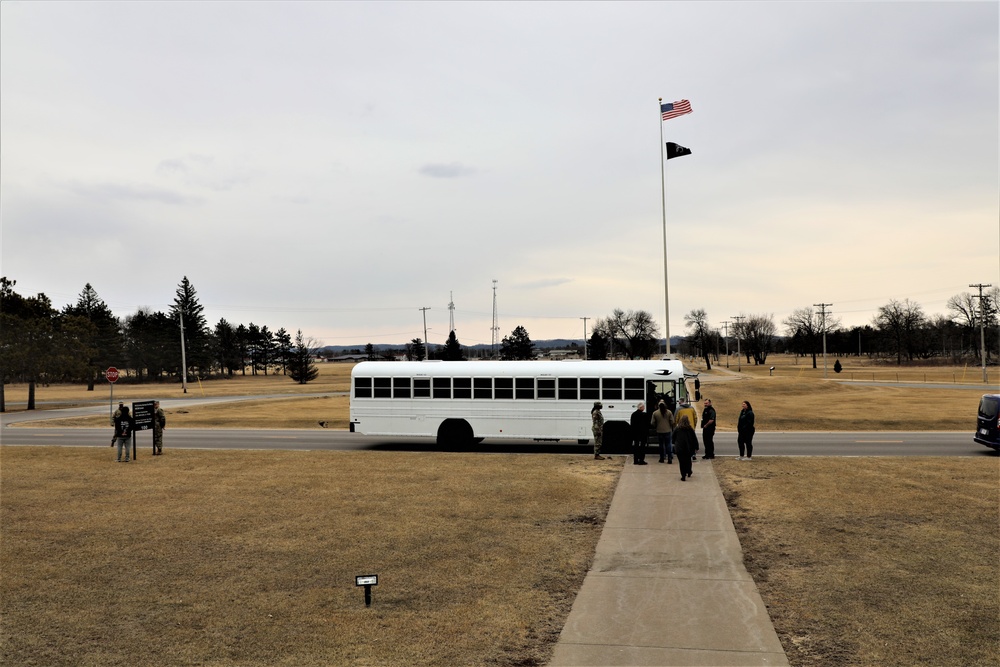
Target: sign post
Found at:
143, 412
367, 580
111, 375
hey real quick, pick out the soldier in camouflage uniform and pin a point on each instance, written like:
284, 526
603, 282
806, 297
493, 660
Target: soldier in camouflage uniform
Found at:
598, 428
117, 413
159, 421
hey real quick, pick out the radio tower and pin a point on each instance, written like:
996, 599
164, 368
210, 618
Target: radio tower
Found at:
496, 325
451, 311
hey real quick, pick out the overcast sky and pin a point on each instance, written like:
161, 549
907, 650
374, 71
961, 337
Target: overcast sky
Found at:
334, 167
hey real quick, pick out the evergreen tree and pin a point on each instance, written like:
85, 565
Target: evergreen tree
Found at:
227, 347
104, 342
452, 349
301, 366
517, 346
415, 350
197, 337
283, 349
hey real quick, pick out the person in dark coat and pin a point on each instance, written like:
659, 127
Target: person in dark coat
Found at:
685, 445
708, 429
744, 431
640, 433
124, 425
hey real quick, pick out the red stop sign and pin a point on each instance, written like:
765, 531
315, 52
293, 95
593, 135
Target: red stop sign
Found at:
111, 374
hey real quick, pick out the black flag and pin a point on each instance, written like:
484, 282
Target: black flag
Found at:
674, 150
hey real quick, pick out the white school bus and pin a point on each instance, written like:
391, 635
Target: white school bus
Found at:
461, 402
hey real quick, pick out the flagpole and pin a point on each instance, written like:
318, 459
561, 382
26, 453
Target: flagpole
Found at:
663, 202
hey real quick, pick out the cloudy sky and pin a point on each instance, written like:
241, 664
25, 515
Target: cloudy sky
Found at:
336, 166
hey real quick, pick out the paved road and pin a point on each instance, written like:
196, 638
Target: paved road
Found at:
765, 443
801, 443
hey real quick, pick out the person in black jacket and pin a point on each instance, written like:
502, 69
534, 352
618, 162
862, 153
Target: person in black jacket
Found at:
685, 445
708, 429
640, 433
744, 431
124, 425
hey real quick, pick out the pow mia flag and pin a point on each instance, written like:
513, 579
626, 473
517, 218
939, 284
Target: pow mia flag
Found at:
675, 150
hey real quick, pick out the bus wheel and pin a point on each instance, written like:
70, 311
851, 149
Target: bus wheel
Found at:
455, 433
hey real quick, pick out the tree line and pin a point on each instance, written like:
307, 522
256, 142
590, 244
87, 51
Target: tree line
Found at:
40, 344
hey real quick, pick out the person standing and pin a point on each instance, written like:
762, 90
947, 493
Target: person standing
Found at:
663, 424
685, 444
687, 411
708, 429
159, 422
117, 413
124, 425
744, 431
597, 427
640, 434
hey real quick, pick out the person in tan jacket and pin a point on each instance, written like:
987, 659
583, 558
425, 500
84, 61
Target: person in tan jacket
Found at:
663, 423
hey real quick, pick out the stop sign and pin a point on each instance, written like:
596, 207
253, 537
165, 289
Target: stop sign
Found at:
111, 374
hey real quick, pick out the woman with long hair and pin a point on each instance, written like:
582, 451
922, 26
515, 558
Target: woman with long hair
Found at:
744, 432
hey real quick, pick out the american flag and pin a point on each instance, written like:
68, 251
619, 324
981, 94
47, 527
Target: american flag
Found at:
675, 109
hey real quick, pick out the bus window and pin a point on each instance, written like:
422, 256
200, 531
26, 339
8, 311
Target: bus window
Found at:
634, 389
590, 388
442, 387
421, 387
463, 387
383, 388
503, 388
546, 388
524, 388
401, 387
362, 387
482, 388
567, 389
611, 389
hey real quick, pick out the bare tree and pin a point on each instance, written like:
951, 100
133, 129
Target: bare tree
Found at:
756, 333
805, 327
900, 322
634, 331
698, 320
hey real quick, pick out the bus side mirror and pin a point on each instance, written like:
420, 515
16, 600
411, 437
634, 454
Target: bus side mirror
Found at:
697, 384
697, 395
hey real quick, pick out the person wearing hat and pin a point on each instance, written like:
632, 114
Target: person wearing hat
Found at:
598, 428
117, 413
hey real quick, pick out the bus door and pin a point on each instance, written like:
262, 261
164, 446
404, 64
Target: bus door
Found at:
661, 390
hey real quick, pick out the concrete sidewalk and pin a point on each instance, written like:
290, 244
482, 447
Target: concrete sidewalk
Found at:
668, 585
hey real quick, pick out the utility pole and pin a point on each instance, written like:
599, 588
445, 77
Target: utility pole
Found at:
496, 325
184, 366
427, 347
739, 361
451, 311
726, 335
982, 327
584, 337
822, 314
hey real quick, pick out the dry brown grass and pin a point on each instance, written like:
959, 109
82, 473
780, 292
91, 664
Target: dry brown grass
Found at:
873, 561
248, 558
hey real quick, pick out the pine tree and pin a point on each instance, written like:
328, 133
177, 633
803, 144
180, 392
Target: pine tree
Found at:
196, 334
517, 346
452, 349
301, 366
